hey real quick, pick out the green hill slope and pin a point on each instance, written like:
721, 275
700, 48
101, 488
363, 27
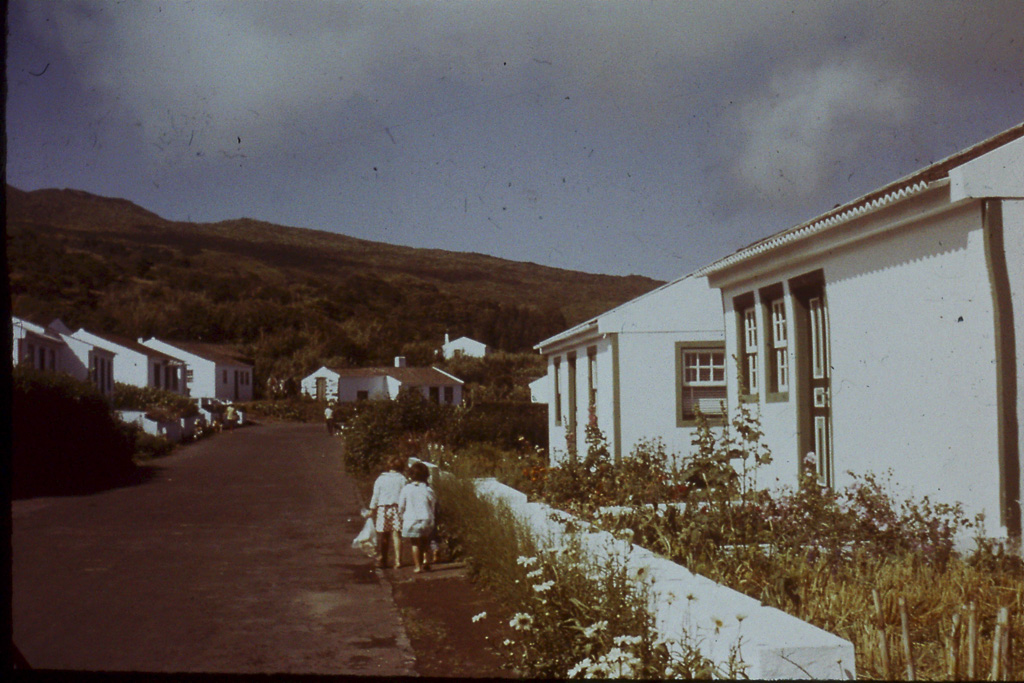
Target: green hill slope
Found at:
289, 297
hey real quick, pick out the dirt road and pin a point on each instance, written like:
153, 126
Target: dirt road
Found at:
234, 557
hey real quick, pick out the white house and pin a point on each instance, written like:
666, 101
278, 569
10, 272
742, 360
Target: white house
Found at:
48, 347
641, 369
887, 334
36, 345
464, 346
359, 384
211, 370
136, 365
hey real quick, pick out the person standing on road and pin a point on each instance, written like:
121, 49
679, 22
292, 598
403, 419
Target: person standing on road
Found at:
417, 506
384, 508
329, 418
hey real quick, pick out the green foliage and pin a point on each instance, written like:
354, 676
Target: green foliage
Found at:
66, 439
293, 409
289, 298
573, 617
813, 552
497, 377
159, 404
505, 425
380, 427
149, 446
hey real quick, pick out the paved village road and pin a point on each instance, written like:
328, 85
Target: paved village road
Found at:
234, 557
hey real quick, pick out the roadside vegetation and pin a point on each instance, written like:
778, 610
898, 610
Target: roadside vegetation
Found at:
65, 437
818, 554
572, 618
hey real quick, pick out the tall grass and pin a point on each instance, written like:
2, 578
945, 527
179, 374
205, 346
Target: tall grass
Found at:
574, 617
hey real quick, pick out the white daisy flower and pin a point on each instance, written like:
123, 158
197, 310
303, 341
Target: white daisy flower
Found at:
595, 628
542, 587
478, 617
521, 621
524, 561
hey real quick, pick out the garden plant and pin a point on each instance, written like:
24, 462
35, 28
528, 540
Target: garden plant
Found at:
816, 553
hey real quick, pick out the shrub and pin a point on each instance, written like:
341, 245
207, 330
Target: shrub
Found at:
66, 439
378, 426
293, 409
573, 617
814, 552
159, 404
504, 424
149, 446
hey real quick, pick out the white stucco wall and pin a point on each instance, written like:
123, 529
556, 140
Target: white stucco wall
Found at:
913, 367
1013, 237
646, 331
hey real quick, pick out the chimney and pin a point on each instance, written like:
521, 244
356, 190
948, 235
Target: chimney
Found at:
142, 340
446, 338
399, 361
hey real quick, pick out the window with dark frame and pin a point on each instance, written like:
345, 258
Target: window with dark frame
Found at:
558, 391
702, 382
592, 376
779, 377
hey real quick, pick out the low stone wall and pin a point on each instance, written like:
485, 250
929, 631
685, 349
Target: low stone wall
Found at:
692, 608
172, 430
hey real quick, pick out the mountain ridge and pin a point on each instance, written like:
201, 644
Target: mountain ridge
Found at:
289, 297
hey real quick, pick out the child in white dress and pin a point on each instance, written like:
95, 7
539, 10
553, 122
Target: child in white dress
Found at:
417, 506
384, 508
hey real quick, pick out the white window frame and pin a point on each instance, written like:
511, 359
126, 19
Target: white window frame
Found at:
750, 348
712, 366
701, 368
780, 345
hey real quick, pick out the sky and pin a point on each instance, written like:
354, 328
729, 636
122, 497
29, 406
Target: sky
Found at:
612, 137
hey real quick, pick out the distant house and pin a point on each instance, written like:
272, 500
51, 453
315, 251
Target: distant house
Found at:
211, 370
50, 347
137, 365
641, 370
346, 385
464, 346
888, 334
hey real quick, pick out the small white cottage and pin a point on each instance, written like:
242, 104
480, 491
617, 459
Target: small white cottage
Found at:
888, 333
211, 370
464, 346
346, 385
641, 370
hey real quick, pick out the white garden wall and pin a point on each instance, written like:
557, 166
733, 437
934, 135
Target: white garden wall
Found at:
688, 607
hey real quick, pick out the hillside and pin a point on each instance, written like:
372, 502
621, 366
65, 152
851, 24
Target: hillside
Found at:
288, 297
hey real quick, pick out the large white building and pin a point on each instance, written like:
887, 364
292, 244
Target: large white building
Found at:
641, 370
887, 334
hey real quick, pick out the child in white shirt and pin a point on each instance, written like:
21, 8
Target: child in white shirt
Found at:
384, 508
417, 506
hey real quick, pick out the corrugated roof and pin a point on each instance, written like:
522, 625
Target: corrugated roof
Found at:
898, 189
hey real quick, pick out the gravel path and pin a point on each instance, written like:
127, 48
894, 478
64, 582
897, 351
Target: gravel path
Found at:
234, 557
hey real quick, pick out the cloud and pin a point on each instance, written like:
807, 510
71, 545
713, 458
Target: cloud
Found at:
806, 111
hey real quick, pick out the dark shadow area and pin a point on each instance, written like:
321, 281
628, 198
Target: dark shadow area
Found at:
66, 440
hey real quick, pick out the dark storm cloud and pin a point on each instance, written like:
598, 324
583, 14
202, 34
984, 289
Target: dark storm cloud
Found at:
605, 136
